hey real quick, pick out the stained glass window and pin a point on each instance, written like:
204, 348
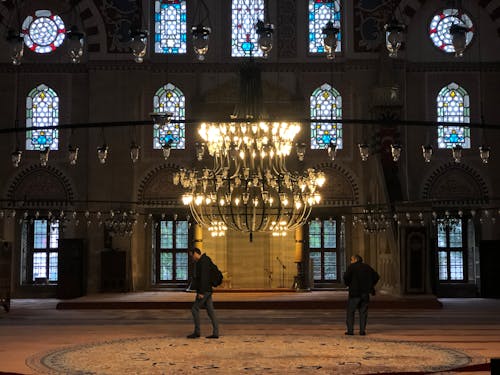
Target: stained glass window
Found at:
320, 13
453, 106
43, 32
326, 103
173, 245
323, 249
439, 28
45, 249
170, 99
42, 109
170, 26
245, 14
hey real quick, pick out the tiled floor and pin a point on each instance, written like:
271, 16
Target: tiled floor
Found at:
471, 326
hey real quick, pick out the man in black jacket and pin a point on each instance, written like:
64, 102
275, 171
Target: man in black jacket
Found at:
361, 280
202, 283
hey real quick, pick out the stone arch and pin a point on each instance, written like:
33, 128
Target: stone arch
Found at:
492, 7
93, 25
157, 187
455, 182
344, 191
41, 186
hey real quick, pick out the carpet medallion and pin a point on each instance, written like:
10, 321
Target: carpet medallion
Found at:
256, 354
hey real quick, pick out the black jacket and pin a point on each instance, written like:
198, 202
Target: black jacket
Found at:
202, 275
361, 279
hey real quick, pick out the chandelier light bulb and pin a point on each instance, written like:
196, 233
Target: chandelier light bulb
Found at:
72, 154
44, 156
394, 37
201, 36
330, 39
16, 157
265, 37
457, 153
458, 38
102, 153
427, 153
75, 44
134, 152
139, 44
396, 151
484, 153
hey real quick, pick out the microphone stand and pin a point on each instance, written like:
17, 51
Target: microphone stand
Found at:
283, 268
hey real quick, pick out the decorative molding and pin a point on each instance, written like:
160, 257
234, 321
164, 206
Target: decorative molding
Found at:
287, 30
158, 189
455, 183
344, 191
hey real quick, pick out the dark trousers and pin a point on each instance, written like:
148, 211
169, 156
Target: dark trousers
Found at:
206, 302
360, 303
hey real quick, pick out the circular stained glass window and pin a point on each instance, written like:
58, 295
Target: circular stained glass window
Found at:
439, 29
44, 31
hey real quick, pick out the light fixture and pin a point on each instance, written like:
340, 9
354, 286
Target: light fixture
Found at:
16, 42
330, 39
16, 157
139, 44
44, 156
166, 148
458, 38
427, 153
217, 229
372, 220
201, 36
134, 152
484, 153
394, 36
396, 151
161, 118
72, 154
200, 151
301, 151
75, 44
249, 186
332, 150
457, 153
265, 40
364, 151
102, 153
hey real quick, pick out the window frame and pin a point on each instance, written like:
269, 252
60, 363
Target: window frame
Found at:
322, 250
448, 250
341, 32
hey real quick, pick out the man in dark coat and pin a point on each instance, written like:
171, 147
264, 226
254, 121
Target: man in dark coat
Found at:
361, 280
202, 283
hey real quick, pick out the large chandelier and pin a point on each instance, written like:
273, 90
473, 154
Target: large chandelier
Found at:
249, 187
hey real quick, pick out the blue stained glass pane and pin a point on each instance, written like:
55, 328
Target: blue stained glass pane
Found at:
316, 261
453, 106
320, 13
181, 266
245, 14
39, 265
166, 266
325, 103
170, 99
42, 109
166, 235
170, 27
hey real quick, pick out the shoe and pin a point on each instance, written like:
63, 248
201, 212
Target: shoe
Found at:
363, 333
349, 333
193, 336
213, 337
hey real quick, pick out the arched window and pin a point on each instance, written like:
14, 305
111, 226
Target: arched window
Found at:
320, 12
326, 104
42, 109
245, 14
453, 106
170, 26
170, 99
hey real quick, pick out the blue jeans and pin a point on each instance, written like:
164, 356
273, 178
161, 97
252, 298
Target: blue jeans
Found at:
206, 302
360, 303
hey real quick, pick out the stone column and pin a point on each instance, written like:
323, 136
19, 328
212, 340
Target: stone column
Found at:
301, 278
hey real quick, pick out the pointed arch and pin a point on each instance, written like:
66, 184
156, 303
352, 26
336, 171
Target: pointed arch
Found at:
325, 104
453, 105
170, 98
42, 110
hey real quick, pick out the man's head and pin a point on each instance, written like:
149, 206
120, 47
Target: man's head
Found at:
195, 253
356, 258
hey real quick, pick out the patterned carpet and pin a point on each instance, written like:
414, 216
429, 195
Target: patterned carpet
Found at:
256, 354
